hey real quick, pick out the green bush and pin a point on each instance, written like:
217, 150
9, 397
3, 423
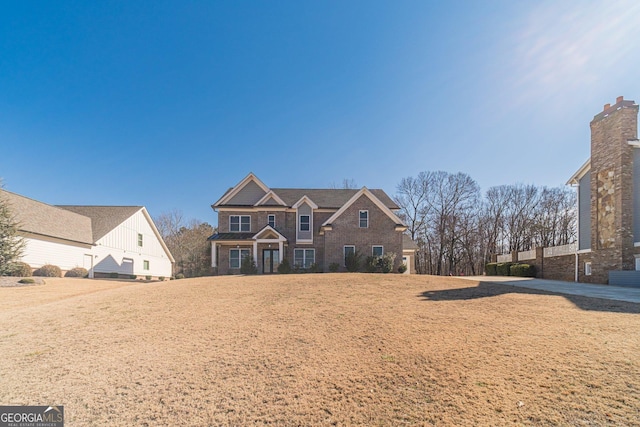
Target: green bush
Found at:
248, 266
147, 277
402, 268
77, 272
20, 269
334, 267
179, 276
315, 268
133, 277
503, 268
490, 269
523, 270
284, 267
161, 278
371, 264
387, 261
113, 275
48, 271
27, 281
352, 261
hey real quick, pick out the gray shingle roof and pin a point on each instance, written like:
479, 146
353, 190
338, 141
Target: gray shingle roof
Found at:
103, 218
328, 198
46, 220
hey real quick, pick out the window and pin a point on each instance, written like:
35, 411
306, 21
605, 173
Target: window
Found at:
637, 262
239, 223
587, 269
236, 256
145, 265
364, 219
139, 239
305, 222
271, 220
348, 250
304, 258
377, 251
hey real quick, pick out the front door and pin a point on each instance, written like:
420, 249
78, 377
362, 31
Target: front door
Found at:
270, 261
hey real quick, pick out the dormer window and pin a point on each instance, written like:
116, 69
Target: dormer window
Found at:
240, 223
305, 222
364, 219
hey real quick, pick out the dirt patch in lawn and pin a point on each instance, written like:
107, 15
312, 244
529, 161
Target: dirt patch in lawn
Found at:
326, 349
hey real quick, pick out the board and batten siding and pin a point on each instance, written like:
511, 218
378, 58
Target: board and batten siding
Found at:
41, 251
118, 250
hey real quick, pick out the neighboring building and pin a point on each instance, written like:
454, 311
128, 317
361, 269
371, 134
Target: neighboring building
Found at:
305, 226
608, 187
102, 239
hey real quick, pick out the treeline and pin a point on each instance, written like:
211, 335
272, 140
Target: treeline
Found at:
457, 228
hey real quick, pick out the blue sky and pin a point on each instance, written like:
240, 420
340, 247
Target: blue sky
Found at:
167, 104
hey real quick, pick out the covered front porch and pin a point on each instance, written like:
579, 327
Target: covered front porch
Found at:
266, 247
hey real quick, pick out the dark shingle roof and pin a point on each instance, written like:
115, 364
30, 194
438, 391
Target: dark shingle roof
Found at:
232, 236
328, 198
46, 220
103, 218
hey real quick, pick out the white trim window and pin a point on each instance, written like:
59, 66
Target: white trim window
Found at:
587, 268
240, 223
346, 250
236, 256
637, 262
304, 258
145, 265
377, 251
271, 220
139, 239
364, 219
305, 222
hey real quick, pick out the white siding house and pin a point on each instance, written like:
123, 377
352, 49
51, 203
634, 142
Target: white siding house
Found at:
103, 239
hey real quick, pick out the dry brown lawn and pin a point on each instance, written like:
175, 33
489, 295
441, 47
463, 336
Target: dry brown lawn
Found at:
327, 349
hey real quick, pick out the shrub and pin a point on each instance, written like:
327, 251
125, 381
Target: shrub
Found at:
315, 268
48, 271
133, 276
387, 261
147, 277
248, 266
490, 269
523, 270
402, 268
284, 267
113, 275
27, 281
161, 278
77, 272
334, 267
503, 268
371, 264
20, 269
179, 276
352, 261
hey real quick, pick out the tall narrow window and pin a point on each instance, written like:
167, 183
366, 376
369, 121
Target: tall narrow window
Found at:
305, 222
145, 265
364, 219
139, 239
587, 269
348, 250
271, 220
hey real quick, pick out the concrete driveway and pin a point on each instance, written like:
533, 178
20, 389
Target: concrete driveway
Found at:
617, 293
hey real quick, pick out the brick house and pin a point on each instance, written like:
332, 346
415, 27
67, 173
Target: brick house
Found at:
307, 227
608, 187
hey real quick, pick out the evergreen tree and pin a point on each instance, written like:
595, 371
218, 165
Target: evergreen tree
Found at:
11, 245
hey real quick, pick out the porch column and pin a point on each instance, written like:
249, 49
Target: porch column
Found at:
255, 251
213, 255
281, 250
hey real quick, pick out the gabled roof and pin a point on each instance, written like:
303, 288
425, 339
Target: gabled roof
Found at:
103, 218
576, 177
46, 220
235, 190
305, 199
270, 196
364, 191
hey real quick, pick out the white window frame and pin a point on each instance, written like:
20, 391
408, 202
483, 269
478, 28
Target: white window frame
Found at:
587, 268
300, 222
145, 265
344, 253
305, 263
240, 256
373, 248
637, 262
239, 223
360, 219
270, 222
140, 240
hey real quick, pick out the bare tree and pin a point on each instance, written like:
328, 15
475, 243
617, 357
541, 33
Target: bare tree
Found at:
347, 184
